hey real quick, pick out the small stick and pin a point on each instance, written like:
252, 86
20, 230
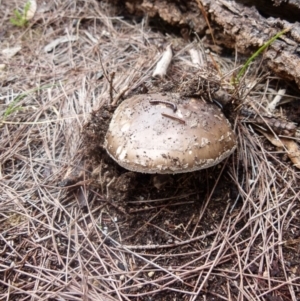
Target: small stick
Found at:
163, 63
272, 105
111, 86
110, 81
119, 95
173, 117
172, 104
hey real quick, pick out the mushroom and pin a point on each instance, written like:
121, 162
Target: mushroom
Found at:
168, 134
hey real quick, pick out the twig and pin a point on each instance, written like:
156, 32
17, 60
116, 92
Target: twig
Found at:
163, 64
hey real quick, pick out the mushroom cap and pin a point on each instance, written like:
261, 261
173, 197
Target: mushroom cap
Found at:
195, 136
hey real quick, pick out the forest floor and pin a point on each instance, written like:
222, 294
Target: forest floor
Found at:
76, 226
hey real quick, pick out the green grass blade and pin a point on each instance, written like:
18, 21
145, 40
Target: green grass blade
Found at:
12, 107
258, 52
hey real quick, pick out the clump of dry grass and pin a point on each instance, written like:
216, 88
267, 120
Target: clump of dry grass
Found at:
52, 249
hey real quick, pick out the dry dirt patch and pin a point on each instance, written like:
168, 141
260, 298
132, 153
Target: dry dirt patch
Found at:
226, 233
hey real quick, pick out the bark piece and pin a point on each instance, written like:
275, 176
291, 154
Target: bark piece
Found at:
245, 25
184, 14
247, 30
287, 10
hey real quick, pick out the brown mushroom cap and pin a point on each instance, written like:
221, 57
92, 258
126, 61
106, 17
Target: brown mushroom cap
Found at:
193, 137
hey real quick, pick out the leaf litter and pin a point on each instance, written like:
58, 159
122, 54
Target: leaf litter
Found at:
228, 233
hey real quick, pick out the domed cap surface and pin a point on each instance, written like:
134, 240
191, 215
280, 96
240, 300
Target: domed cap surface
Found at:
164, 133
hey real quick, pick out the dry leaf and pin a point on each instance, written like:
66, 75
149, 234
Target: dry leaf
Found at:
290, 145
